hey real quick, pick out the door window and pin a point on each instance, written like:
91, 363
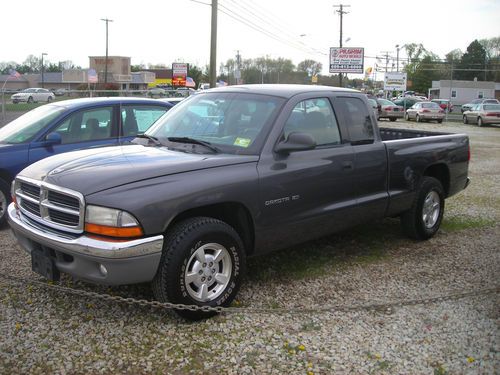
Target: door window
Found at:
315, 117
357, 119
138, 118
87, 125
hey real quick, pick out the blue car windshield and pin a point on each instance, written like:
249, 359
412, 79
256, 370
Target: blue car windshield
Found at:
232, 122
24, 128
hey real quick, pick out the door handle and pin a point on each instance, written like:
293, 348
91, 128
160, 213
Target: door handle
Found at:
347, 165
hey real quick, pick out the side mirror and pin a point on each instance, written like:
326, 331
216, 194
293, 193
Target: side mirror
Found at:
53, 138
296, 141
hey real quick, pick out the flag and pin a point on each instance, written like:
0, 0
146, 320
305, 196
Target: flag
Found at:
14, 73
190, 82
92, 76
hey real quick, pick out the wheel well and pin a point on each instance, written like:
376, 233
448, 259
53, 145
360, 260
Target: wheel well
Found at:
441, 173
234, 214
4, 175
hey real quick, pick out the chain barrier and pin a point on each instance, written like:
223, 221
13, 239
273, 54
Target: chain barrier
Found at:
381, 306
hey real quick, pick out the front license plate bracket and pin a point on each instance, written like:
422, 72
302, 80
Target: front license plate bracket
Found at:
44, 265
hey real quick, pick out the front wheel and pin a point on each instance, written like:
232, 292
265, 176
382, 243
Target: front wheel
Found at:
49, 99
423, 219
417, 118
392, 119
407, 118
4, 201
479, 121
30, 99
202, 264
440, 121
466, 121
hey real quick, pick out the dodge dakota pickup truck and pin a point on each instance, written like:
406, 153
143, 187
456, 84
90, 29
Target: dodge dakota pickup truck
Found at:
227, 174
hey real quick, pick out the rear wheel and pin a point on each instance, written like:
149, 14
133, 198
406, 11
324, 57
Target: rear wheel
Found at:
392, 119
465, 120
439, 121
202, 264
424, 218
30, 99
407, 118
49, 99
479, 121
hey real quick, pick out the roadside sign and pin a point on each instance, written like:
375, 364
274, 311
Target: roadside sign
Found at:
347, 60
92, 76
179, 74
395, 81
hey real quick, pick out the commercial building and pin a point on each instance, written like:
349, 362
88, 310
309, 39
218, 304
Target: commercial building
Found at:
461, 92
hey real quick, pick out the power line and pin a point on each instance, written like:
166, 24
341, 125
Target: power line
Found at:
231, 13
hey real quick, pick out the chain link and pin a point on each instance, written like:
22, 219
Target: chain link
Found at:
382, 306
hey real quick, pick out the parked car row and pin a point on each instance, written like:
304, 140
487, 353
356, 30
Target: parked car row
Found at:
468, 106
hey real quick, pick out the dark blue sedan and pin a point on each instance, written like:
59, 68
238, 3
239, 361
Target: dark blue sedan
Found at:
70, 125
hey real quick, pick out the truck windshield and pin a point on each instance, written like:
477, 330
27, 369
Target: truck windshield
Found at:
233, 122
24, 128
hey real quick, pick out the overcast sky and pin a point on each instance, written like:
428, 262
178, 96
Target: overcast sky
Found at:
164, 31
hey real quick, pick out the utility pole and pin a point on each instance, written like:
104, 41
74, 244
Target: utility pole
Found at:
213, 45
238, 68
397, 58
106, 61
341, 12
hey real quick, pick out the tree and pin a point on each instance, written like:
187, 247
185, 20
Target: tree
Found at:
310, 67
473, 63
426, 72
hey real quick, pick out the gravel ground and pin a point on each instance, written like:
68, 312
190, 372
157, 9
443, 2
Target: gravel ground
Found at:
43, 331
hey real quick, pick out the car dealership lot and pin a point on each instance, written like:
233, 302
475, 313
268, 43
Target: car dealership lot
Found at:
48, 331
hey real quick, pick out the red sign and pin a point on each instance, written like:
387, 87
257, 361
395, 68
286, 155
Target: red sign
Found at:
179, 74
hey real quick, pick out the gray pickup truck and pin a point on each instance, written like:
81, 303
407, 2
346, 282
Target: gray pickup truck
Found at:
227, 174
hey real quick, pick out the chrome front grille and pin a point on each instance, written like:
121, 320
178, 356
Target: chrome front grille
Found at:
50, 205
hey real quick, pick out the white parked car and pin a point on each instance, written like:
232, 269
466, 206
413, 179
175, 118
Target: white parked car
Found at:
33, 95
425, 111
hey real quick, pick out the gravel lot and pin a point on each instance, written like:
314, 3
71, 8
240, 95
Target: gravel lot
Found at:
42, 331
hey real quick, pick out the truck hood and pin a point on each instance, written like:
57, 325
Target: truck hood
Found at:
93, 170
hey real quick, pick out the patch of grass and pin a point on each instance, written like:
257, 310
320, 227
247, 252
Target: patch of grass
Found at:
461, 223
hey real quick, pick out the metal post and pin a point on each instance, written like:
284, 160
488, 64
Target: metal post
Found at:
106, 61
43, 54
213, 45
397, 58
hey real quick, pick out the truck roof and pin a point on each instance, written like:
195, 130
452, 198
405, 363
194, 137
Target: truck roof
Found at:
282, 90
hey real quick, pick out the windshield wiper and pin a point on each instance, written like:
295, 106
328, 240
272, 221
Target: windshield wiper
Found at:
193, 141
155, 140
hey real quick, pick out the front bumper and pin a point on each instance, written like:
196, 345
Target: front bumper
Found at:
126, 262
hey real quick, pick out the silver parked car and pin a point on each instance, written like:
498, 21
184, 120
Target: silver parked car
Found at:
468, 106
483, 113
387, 109
33, 95
425, 111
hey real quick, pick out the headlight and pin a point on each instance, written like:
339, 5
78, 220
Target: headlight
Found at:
111, 222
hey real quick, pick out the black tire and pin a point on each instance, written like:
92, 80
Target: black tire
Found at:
416, 222
479, 122
30, 99
466, 121
439, 121
4, 201
417, 118
182, 243
49, 99
392, 119
407, 118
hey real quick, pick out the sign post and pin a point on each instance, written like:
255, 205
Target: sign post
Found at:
395, 81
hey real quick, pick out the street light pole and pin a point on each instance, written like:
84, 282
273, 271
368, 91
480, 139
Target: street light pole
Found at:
341, 12
397, 57
43, 54
213, 45
106, 61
